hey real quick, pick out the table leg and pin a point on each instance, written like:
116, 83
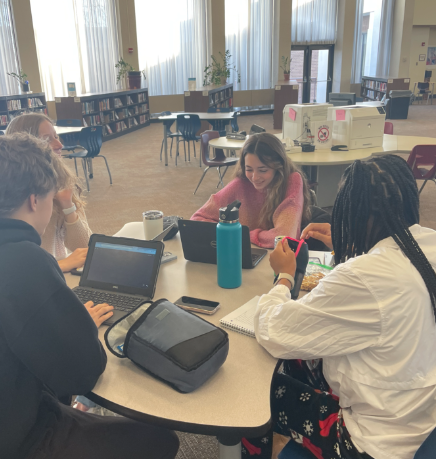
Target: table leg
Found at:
165, 143
229, 447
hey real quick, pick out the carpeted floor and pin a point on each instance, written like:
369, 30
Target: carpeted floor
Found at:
141, 182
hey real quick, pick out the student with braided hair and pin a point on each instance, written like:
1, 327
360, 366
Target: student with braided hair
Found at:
360, 376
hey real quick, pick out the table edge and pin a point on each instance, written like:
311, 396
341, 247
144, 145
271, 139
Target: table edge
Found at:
189, 427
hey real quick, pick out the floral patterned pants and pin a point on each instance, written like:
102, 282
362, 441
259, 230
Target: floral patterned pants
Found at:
304, 409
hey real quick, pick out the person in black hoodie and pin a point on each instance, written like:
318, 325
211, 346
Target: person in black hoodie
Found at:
49, 345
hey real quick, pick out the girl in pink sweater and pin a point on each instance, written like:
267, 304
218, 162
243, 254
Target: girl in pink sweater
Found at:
273, 192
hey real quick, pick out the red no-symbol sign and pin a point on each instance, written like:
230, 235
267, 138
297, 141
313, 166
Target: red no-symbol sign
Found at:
323, 134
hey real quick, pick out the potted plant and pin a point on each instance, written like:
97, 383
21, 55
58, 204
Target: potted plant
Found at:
286, 66
22, 79
127, 70
217, 72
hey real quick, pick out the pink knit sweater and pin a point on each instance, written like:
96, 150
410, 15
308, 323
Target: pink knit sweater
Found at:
286, 218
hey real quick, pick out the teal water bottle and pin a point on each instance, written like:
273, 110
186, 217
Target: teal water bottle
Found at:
229, 247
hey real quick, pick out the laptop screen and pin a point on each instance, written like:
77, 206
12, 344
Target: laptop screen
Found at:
122, 265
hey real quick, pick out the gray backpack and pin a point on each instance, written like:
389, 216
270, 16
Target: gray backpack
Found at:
172, 344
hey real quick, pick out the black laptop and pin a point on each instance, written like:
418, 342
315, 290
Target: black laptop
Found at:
121, 272
199, 243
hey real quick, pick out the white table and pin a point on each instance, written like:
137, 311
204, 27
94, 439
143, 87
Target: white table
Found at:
328, 166
227, 144
168, 120
235, 402
61, 130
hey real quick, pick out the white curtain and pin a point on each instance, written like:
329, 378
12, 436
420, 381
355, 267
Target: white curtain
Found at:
251, 37
385, 38
314, 21
9, 58
372, 38
77, 42
174, 43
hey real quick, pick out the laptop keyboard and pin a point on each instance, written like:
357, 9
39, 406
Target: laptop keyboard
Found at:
117, 300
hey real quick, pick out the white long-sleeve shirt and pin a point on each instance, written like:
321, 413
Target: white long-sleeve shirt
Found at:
372, 322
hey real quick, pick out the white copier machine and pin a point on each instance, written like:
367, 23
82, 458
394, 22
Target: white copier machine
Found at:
308, 123
357, 126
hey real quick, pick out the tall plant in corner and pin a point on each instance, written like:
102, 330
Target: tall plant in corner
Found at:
127, 70
218, 72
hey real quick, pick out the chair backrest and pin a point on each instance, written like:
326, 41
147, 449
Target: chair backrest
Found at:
91, 138
422, 155
427, 449
423, 85
188, 125
205, 137
389, 128
69, 123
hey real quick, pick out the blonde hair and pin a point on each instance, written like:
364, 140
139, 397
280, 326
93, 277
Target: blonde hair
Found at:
271, 152
30, 123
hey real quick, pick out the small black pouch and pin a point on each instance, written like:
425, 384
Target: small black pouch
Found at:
172, 344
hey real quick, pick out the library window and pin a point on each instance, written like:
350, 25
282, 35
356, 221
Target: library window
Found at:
80, 46
373, 38
175, 45
249, 29
8, 50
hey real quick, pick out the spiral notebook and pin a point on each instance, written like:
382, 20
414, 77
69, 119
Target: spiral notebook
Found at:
242, 319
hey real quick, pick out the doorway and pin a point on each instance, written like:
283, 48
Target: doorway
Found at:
312, 68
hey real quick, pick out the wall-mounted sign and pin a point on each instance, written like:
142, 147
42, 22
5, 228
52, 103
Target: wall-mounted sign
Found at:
431, 55
422, 57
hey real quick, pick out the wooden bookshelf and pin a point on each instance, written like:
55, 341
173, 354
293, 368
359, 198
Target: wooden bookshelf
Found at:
16, 104
374, 88
207, 97
285, 92
119, 112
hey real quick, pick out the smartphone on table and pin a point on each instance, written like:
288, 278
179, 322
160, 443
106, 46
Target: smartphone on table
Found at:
198, 305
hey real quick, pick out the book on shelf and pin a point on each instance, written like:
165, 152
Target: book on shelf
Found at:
34, 102
14, 104
85, 124
117, 102
241, 320
116, 116
123, 125
141, 97
87, 107
3, 119
135, 122
129, 100
104, 104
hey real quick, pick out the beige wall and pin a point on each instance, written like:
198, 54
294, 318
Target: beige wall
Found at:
284, 34
127, 26
424, 12
218, 27
417, 68
343, 57
26, 42
401, 38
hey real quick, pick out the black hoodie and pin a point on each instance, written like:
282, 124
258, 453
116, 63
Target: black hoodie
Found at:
48, 341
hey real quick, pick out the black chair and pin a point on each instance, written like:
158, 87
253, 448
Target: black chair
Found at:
220, 125
188, 125
171, 135
317, 215
220, 160
90, 141
70, 138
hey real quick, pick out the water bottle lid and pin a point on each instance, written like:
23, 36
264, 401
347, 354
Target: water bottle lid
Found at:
230, 213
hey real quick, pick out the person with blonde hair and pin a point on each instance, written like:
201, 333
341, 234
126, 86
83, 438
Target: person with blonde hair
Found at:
273, 192
68, 227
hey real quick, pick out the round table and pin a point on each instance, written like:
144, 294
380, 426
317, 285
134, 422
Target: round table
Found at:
227, 144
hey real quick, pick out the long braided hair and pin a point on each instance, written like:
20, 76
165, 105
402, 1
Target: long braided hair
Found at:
379, 198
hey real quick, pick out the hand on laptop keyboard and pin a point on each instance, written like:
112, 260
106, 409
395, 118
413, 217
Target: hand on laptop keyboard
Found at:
100, 312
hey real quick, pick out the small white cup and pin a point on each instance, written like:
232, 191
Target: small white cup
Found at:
153, 224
